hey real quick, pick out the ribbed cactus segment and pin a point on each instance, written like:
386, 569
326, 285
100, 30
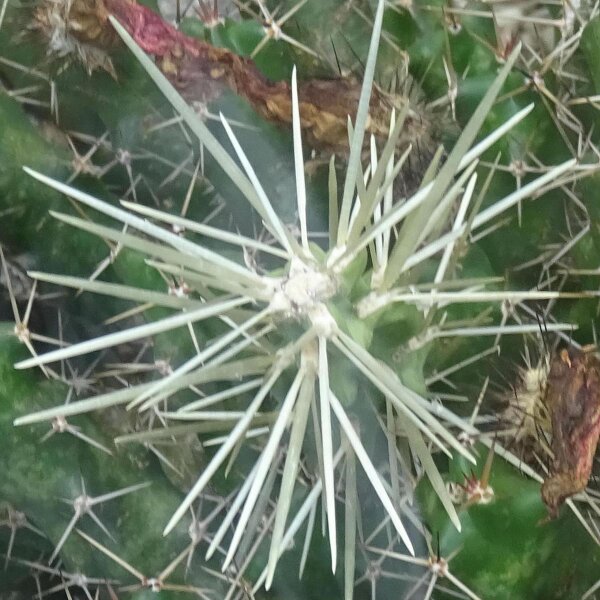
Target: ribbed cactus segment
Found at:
301, 368
129, 496
507, 546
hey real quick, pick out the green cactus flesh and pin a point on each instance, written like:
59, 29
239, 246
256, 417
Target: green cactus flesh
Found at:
53, 112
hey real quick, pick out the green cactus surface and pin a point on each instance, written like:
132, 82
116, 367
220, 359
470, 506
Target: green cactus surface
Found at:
283, 289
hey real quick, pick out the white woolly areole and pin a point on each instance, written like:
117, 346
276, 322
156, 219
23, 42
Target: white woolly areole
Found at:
527, 411
303, 290
323, 321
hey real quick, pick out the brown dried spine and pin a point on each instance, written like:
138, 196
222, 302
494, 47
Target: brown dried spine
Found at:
573, 400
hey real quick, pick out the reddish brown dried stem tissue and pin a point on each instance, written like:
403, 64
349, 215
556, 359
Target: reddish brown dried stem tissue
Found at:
573, 399
201, 72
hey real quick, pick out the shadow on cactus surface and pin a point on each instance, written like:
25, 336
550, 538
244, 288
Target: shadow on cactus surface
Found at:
245, 374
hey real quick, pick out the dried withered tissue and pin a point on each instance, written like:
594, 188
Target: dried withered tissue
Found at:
201, 72
573, 400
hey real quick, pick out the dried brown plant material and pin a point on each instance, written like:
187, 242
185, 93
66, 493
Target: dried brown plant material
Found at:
573, 400
77, 29
201, 72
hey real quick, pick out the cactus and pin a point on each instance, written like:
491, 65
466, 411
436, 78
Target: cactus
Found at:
288, 332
